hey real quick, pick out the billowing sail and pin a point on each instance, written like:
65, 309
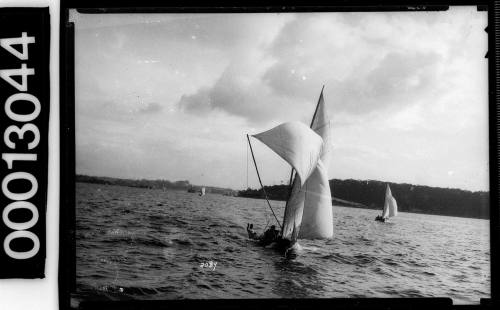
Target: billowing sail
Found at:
390, 204
297, 144
317, 219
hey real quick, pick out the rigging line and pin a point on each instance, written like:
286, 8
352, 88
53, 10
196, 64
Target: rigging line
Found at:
247, 167
292, 178
263, 189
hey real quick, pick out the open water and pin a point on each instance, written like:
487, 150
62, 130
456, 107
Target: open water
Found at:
151, 244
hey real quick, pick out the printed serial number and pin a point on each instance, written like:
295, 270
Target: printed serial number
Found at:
29, 134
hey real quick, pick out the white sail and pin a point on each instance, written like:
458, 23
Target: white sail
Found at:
390, 204
293, 212
321, 124
297, 144
317, 219
393, 207
385, 211
301, 147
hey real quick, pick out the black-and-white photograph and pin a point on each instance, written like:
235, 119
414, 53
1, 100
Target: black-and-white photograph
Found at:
282, 155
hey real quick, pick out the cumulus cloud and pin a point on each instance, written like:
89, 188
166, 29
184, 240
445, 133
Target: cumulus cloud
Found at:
397, 81
288, 69
239, 89
235, 93
361, 74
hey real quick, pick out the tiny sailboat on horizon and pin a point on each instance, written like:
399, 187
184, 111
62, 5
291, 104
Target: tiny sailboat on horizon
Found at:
390, 206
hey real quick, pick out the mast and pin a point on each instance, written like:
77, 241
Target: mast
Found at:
263, 189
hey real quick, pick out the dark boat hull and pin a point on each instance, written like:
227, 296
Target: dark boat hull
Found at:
286, 247
289, 248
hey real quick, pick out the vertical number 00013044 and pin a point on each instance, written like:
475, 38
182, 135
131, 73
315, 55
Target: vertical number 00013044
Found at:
21, 97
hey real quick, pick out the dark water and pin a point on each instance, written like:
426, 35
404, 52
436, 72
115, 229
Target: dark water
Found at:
150, 244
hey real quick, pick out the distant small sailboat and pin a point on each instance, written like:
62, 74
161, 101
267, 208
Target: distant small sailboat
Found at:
308, 211
390, 206
202, 191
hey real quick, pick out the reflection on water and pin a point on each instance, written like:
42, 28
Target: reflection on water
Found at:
149, 244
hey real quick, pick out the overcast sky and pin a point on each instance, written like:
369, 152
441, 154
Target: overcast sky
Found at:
171, 96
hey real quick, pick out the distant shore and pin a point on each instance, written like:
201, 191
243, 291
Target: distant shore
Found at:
370, 194
155, 184
350, 193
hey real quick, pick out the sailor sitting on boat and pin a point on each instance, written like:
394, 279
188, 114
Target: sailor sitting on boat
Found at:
251, 233
267, 238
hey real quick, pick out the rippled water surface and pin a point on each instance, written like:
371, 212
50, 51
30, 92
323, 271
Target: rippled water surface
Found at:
150, 244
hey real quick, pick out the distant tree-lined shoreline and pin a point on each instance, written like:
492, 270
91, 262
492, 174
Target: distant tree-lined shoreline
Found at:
154, 184
410, 198
353, 193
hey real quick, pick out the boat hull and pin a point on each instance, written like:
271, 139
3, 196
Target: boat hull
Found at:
287, 248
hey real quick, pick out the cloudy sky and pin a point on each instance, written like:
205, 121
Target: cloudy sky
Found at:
171, 96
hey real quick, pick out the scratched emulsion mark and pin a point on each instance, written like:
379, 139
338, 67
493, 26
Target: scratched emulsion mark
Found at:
210, 264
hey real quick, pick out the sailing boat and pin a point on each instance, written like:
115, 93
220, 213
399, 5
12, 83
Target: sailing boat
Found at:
202, 191
308, 211
390, 206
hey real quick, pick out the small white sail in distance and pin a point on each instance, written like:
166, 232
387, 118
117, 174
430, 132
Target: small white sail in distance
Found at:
390, 204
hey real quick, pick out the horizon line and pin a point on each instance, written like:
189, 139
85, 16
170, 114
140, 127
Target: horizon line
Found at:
206, 185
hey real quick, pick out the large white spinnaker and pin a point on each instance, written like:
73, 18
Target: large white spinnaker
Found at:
301, 147
390, 204
297, 144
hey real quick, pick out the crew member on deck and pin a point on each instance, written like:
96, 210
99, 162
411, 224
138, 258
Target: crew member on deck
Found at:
270, 236
251, 233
